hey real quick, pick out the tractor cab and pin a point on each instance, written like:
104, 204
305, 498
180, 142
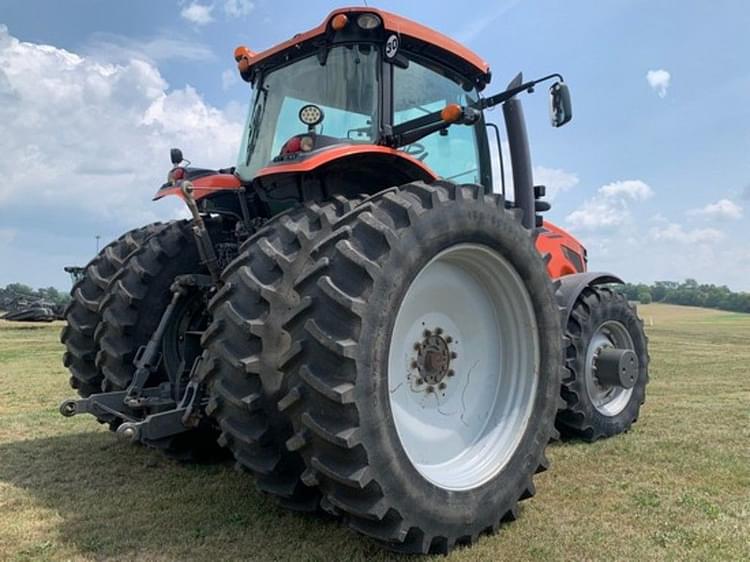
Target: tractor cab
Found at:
368, 99
351, 94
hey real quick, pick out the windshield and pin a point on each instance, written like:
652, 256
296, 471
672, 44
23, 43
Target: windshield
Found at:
345, 88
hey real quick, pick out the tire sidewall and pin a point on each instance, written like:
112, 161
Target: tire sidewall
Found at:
435, 230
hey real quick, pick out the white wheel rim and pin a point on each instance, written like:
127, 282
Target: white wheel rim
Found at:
460, 429
609, 400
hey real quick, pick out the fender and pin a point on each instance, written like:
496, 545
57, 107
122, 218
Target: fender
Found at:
571, 286
348, 170
204, 184
317, 159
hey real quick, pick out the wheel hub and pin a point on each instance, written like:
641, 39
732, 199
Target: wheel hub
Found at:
611, 368
433, 358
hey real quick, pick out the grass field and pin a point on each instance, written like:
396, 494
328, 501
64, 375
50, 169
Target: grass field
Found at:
677, 487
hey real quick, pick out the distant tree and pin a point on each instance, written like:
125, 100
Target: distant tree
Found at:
688, 293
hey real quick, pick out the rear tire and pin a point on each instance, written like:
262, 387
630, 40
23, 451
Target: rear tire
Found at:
248, 349
343, 388
83, 315
593, 411
131, 311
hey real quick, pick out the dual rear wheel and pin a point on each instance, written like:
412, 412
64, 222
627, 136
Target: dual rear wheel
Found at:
399, 363
396, 360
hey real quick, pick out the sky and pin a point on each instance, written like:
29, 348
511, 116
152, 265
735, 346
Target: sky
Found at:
652, 174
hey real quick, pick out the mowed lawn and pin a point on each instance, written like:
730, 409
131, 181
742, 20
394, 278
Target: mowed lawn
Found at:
677, 487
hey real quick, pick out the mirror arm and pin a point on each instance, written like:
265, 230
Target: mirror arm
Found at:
415, 129
492, 101
398, 140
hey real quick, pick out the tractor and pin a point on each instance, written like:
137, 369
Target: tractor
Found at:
354, 311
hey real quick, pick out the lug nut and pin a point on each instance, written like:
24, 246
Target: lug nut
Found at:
420, 381
448, 339
417, 346
453, 355
442, 386
427, 333
451, 372
430, 389
438, 331
414, 365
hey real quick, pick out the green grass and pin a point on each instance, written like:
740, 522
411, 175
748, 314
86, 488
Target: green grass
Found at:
676, 487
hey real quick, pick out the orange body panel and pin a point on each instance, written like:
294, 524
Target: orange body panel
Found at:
204, 186
335, 153
391, 22
567, 255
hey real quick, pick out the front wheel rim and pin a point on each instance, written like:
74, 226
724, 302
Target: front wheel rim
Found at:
463, 366
609, 400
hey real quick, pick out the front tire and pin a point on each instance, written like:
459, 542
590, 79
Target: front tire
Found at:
601, 318
374, 466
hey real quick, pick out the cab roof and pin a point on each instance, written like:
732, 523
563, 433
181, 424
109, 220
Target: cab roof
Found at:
411, 34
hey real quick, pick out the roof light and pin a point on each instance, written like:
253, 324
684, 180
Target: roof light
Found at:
306, 144
368, 21
243, 55
242, 52
339, 22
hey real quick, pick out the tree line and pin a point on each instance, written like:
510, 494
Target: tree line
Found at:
688, 293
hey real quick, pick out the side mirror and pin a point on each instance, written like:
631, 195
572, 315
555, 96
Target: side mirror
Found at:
560, 108
175, 155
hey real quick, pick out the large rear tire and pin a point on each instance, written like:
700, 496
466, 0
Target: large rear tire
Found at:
428, 382
248, 349
600, 319
131, 311
82, 315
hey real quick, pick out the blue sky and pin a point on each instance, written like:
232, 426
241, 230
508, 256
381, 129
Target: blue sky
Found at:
652, 174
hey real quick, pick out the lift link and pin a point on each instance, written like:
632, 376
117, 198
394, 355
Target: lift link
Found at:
202, 237
185, 416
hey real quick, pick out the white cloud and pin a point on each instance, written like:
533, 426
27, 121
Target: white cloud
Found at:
673, 232
238, 8
119, 49
97, 148
199, 14
722, 209
228, 78
628, 189
659, 81
610, 207
556, 180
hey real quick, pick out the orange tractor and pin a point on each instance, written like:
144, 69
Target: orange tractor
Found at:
352, 311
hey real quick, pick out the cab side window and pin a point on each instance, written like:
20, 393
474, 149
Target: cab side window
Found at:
453, 153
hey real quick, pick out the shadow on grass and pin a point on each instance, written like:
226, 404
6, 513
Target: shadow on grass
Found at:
116, 499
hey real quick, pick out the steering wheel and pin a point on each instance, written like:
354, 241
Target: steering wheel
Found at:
417, 150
